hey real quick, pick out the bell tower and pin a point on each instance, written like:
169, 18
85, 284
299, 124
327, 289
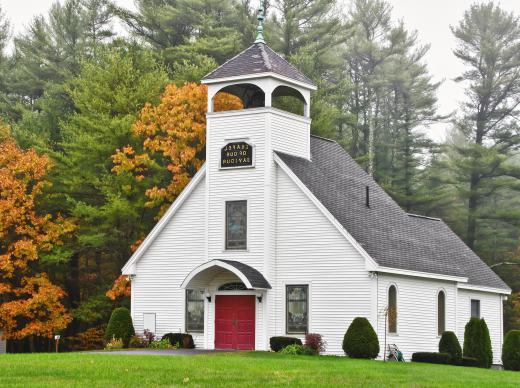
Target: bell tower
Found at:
265, 81
240, 156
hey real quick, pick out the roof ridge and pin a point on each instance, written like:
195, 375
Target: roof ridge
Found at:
290, 64
425, 217
265, 56
324, 138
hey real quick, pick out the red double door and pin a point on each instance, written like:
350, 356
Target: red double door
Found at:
235, 322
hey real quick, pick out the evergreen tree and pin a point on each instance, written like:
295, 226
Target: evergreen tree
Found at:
107, 96
489, 45
191, 30
48, 55
309, 34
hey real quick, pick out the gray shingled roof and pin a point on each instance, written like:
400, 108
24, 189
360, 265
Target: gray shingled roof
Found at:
389, 235
258, 58
256, 279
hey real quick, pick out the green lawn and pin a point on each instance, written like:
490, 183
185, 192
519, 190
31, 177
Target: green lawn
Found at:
236, 370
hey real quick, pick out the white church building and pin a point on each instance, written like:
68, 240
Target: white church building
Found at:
281, 233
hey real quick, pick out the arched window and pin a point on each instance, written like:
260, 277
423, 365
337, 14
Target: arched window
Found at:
232, 286
392, 309
289, 100
441, 312
252, 96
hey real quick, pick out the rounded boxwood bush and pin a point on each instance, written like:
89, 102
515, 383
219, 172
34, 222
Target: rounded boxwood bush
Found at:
361, 340
120, 326
449, 343
278, 343
511, 350
477, 343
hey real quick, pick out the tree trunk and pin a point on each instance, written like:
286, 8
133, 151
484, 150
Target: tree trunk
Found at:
471, 230
73, 286
472, 210
31, 344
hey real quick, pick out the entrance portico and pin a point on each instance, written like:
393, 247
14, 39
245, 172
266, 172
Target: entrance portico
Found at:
234, 300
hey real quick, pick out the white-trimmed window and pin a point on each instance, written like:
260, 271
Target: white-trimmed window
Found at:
392, 309
194, 311
475, 308
236, 225
297, 307
441, 312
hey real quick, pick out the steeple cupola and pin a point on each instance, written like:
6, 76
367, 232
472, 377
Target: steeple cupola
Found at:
259, 76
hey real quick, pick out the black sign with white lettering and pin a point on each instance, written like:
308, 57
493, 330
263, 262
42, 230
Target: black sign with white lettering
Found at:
237, 154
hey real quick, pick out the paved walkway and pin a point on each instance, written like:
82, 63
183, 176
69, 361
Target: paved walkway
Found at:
161, 352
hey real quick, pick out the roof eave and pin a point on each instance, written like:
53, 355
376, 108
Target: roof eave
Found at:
494, 290
208, 81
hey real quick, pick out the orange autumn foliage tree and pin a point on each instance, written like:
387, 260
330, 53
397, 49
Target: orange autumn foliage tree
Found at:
121, 287
172, 135
174, 131
30, 304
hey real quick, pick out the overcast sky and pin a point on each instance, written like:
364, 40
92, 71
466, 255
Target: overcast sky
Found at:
431, 18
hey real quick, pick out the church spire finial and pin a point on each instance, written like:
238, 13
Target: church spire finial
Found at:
260, 28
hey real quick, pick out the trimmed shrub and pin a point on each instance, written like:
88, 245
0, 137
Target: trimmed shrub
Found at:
180, 340
120, 326
431, 357
315, 342
278, 343
450, 344
360, 340
511, 350
477, 343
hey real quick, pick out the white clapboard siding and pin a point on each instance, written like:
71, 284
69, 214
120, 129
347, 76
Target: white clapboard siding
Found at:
490, 310
237, 184
416, 313
290, 133
177, 250
310, 250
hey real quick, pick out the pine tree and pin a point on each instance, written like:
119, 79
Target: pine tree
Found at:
191, 30
309, 34
107, 95
46, 57
489, 45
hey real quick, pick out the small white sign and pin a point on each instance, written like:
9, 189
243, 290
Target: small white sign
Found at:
57, 337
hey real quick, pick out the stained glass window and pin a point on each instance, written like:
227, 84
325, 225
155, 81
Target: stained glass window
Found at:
392, 309
475, 308
194, 311
441, 312
297, 309
236, 225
